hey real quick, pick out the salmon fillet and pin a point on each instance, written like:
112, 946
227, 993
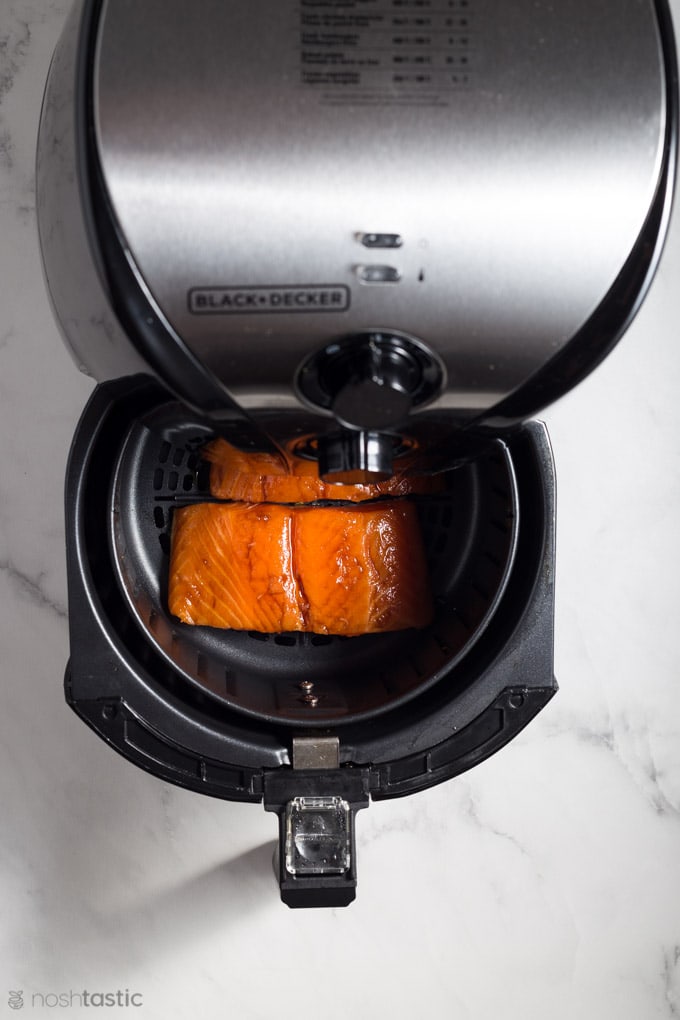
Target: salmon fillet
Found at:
262, 478
326, 570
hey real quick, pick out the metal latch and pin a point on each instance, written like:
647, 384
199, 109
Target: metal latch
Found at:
316, 752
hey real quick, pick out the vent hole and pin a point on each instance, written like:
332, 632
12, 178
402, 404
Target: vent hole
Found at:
159, 517
285, 639
158, 479
165, 453
203, 476
462, 620
440, 544
444, 648
179, 457
188, 483
173, 480
415, 667
164, 540
388, 684
321, 639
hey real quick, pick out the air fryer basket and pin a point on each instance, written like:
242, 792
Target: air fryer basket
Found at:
240, 697
470, 537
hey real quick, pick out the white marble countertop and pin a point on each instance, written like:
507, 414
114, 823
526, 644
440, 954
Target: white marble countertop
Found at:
542, 885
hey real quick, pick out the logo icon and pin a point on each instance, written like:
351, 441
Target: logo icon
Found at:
16, 1000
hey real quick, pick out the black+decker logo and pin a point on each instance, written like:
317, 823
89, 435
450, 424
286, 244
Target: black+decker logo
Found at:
263, 300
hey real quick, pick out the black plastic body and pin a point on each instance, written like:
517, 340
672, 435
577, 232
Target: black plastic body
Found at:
140, 706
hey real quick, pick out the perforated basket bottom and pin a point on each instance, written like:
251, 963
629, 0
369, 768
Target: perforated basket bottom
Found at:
469, 533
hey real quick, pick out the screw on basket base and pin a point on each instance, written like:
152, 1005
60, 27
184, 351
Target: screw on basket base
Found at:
308, 698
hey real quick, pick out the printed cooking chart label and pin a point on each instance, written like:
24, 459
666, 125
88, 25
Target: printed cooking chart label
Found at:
377, 52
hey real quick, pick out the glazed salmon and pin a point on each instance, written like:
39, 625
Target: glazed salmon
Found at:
262, 478
327, 570
363, 568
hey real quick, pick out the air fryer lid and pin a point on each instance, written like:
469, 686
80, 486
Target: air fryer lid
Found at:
475, 175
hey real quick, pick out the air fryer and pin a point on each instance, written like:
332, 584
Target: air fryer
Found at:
338, 232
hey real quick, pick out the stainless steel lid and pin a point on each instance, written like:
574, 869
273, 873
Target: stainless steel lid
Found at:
471, 173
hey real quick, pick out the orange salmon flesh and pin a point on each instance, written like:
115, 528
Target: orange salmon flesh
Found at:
262, 478
345, 570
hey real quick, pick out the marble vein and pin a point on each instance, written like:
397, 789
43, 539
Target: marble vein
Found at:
31, 588
6, 150
473, 813
14, 46
26, 212
661, 803
671, 979
631, 746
